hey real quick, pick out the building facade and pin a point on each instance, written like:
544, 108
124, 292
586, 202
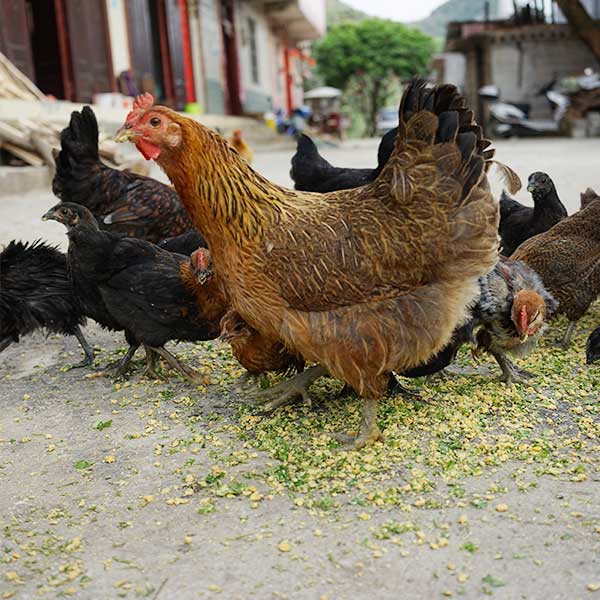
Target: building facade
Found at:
228, 56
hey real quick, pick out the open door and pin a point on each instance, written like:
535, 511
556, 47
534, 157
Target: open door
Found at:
15, 35
231, 65
142, 19
90, 51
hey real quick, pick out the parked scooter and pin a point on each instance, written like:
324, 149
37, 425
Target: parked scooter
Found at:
512, 119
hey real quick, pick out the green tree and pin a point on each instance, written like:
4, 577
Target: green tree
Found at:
367, 56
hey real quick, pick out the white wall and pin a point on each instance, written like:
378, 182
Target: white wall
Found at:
119, 41
315, 12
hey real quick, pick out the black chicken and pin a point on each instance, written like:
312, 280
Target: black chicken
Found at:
312, 173
35, 293
122, 202
138, 286
185, 243
518, 222
592, 348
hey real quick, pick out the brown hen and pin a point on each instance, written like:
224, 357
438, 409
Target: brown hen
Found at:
254, 352
567, 258
363, 281
239, 143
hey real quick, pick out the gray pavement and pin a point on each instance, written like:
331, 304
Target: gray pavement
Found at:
164, 490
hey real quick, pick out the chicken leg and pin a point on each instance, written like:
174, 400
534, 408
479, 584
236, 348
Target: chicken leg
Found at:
566, 341
150, 370
511, 373
89, 353
287, 391
368, 432
124, 362
176, 365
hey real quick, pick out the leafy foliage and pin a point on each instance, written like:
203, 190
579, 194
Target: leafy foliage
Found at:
365, 57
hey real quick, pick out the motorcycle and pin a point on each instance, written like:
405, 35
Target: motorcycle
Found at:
508, 119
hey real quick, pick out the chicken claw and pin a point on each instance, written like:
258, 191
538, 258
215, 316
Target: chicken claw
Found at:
150, 370
287, 391
511, 373
173, 362
368, 433
89, 353
123, 364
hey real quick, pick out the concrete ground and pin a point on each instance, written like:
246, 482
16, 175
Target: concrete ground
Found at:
165, 490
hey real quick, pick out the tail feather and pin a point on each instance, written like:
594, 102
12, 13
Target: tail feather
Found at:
442, 111
77, 157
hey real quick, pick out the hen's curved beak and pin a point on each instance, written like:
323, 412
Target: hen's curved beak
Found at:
530, 188
49, 216
124, 134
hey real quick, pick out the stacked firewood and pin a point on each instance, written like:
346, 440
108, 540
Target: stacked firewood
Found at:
28, 142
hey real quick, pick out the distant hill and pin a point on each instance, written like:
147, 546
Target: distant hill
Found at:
434, 25
339, 12
454, 10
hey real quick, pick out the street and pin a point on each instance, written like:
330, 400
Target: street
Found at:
166, 490
573, 164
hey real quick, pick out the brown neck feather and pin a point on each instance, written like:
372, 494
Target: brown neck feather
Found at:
222, 193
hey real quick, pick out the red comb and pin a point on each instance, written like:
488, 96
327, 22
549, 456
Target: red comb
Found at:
141, 103
523, 319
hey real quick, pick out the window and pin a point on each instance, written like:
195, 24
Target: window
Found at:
253, 50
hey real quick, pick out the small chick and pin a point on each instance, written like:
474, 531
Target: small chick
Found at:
586, 197
512, 312
592, 348
238, 142
254, 352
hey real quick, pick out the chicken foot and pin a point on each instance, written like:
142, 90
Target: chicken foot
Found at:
566, 340
287, 391
123, 364
150, 370
511, 373
368, 432
176, 365
89, 353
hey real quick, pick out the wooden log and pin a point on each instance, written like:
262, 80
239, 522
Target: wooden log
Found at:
29, 90
44, 149
29, 157
15, 136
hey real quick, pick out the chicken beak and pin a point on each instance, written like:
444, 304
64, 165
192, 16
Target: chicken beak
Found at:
530, 189
49, 216
524, 337
124, 134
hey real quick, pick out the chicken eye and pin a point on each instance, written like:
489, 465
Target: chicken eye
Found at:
155, 121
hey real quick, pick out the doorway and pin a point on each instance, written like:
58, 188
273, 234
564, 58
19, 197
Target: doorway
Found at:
230, 55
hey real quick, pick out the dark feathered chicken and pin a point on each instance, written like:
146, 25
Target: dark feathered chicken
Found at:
149, 293
518, 222
35, 293
122, 202
185, 243
592, 348
567, 258
312, 173
512, 311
